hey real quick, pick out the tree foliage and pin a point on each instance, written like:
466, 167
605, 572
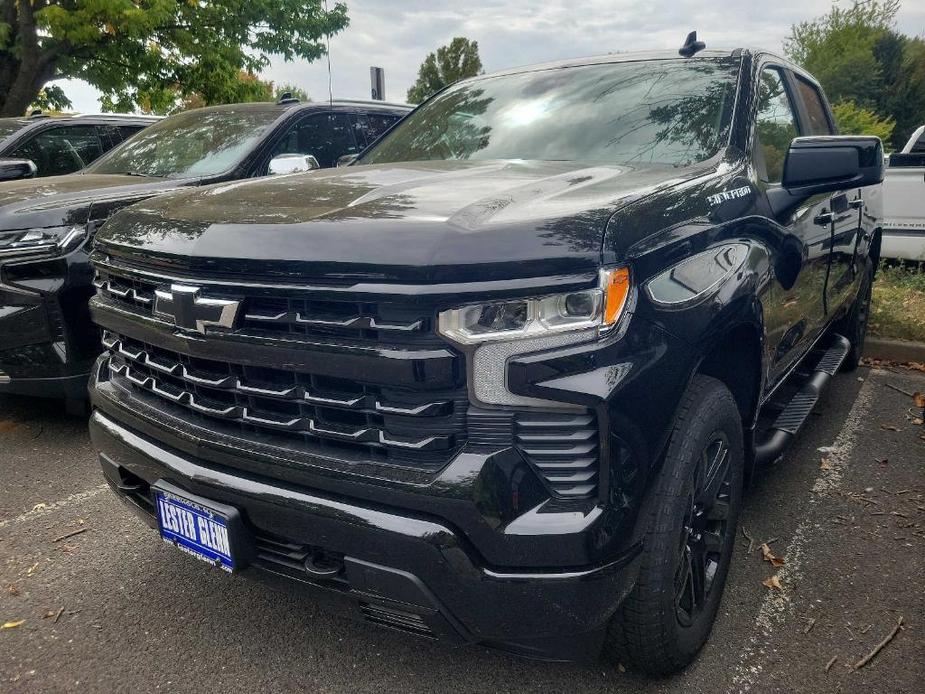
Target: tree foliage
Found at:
854, 120
451, 63
866, 65
149, 53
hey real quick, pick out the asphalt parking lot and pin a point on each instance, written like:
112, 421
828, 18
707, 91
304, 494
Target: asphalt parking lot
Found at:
111, 608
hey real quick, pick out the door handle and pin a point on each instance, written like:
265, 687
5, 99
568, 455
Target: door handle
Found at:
824, 218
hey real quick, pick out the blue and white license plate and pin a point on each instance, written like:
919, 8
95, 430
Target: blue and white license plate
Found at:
194, 528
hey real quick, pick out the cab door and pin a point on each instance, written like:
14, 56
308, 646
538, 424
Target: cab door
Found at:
846, 206
795, 314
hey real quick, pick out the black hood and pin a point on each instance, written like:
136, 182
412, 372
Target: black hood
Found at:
415, 222
60, 200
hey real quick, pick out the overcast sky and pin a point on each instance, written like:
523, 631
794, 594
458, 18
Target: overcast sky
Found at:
398, 34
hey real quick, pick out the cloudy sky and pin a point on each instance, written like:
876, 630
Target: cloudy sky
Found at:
398, 34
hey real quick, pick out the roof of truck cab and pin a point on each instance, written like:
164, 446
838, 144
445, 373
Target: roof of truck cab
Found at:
636, 56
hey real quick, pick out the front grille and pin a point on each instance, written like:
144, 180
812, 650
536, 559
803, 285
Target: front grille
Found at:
335, 417
264, 312
563, 448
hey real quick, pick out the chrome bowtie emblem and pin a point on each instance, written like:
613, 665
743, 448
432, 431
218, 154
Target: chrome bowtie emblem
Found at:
183, 305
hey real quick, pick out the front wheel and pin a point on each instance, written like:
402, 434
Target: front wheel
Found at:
667, 618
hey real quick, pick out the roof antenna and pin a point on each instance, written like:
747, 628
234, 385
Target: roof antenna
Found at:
691, 45
330, 77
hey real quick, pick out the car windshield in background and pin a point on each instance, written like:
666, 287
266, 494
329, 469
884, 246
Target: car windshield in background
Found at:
660, 112
10, 126
196, 143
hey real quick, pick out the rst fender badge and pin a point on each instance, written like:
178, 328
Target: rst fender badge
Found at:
727, 195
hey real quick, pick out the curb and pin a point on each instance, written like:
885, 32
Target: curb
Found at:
900, 351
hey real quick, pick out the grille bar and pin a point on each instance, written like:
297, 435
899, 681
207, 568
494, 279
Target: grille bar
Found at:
287, 393
364, 423
362, 321
243, 414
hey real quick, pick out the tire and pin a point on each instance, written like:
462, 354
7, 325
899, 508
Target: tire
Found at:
854, 325
661, 626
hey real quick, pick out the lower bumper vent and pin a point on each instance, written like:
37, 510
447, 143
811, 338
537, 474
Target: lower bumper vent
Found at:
563, 448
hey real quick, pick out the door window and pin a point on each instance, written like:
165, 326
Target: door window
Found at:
326, 136
776, 125
61, 150
818, 119
370, 126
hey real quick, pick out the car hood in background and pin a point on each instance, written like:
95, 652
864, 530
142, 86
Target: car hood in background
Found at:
58, 200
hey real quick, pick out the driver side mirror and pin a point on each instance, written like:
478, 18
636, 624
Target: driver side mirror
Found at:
16, 169
825, 164
817, 165
292, 163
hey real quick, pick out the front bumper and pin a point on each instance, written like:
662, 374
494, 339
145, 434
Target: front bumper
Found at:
47, 341
401, 570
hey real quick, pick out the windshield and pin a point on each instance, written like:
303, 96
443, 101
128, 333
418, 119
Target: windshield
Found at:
195, 143
672, 112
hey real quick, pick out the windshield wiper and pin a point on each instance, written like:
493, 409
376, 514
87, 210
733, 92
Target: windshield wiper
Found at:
136, 173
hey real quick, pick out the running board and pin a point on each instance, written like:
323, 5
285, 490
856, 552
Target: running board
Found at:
791, 419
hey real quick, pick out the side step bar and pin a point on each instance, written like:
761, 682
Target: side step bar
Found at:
794, 415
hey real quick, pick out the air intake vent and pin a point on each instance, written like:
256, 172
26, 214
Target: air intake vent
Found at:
396, 619
563, 448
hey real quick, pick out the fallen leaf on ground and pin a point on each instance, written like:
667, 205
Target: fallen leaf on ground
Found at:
7, 426
12, 625
919, 399
773, 582
769, 556
12, 590
825, 464
32, 569
890, 427
39, 507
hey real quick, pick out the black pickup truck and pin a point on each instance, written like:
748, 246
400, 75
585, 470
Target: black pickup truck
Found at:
47, 341
501, 380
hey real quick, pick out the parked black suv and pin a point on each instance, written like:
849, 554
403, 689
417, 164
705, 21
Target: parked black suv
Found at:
501, 380
47, 342
41, 145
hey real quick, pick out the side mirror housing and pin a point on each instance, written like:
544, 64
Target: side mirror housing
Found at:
292, 163
16, 169
347, 159
824, 164
817, 165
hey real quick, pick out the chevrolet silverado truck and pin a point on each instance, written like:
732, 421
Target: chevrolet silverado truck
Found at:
47, 341
501, 380
904, 202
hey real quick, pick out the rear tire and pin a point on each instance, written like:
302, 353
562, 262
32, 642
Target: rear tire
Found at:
667, 618
854, 325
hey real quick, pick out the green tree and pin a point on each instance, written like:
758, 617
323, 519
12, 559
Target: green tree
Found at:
859, 58
854, 120
146, 53
451, 63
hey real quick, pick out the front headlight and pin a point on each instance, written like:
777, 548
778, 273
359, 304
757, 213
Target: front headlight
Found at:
596, 309
45, 241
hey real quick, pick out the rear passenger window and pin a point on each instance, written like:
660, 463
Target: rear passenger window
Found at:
776, 125
815, 110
